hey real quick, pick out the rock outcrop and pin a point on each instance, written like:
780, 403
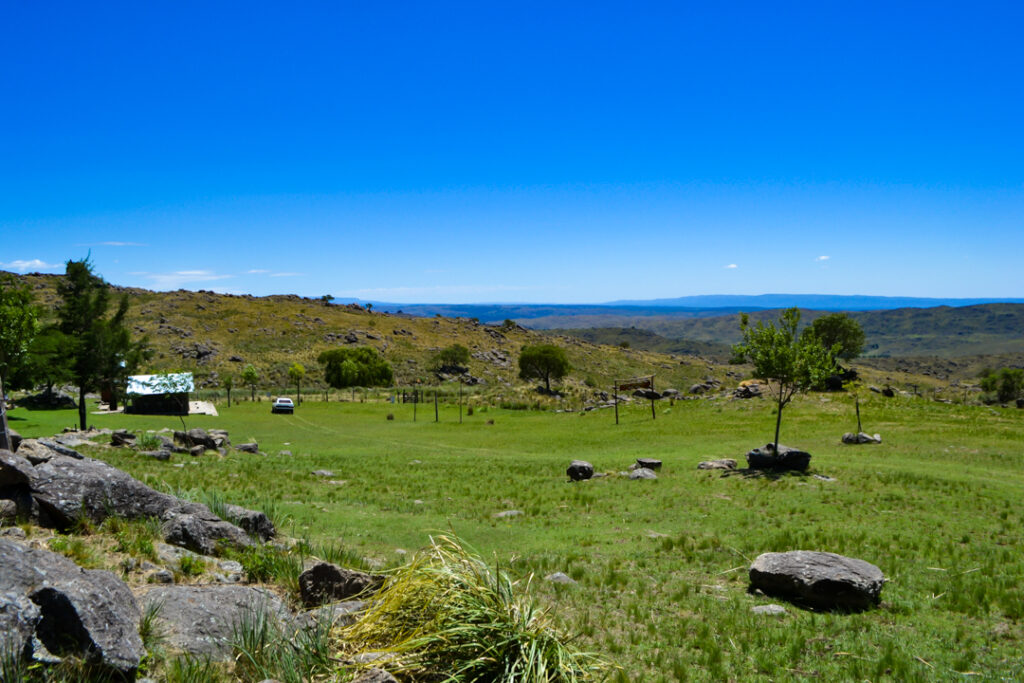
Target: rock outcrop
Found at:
818, 579
326, 582
766, 458
580, 470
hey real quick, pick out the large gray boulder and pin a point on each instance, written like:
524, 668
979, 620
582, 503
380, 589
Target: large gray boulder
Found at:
193, 526
201, 620
326, 582
37, 451
14, 469
719, 464
766, 458
51, 607
254, 522
818, 579
857, 438
580, 470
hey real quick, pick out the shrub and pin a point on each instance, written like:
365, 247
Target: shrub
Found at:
447, 611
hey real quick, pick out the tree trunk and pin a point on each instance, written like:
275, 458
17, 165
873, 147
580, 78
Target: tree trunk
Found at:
778, 424
81, 408
229, 398
252, 393
298, 390
547, 381
5, 435
857, 404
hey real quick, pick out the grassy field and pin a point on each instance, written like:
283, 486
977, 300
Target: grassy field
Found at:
661, 565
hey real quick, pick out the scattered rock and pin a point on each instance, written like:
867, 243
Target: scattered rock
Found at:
326, 582
335, 614
649, 463
765, 458
560, 577
200, 620
642, 473
888, 392
720, 464
818, 579
375, 676
322, 473
580, 470
507, 513
55, 400
38, 451
122, 437
199, 530
254, 522
770, 610
14, 469
252, 447
862, 437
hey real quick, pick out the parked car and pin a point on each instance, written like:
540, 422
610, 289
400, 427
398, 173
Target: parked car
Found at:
282, 405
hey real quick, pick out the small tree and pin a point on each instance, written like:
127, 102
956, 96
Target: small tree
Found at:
17, 328
295, 373
358, 367
840, 332
101, 349
250, 376
228, 382
543, 361
1006, 383
452, 359
787, 362
48, 361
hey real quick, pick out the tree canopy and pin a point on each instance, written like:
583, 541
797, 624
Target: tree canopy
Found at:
543, 361
250, 376
453, 358
1006, 383
295, 373
787, 362
18, 318
358, 367
101, 349
839, 333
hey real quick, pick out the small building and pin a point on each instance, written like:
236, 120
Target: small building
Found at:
159, 394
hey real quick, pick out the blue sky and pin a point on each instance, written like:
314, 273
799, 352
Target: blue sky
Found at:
543, 152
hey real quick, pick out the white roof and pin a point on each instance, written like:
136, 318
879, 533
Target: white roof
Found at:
151, 385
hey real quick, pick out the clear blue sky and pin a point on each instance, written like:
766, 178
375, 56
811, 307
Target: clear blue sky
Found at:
548, 152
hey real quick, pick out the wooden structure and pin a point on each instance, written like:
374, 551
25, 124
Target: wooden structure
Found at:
159, 394
632, 385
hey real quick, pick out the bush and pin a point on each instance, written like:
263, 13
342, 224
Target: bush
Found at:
1006, 383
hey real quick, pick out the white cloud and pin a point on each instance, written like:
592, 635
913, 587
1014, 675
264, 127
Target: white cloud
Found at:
33, 265
731, 266
257, 271
182, 277
286, 274
822, 258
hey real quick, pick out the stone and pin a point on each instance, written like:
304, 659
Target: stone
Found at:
322, 473
720, 464
861, 438
334, 614
157, 455
375, 675
820, 580
8, 511
165, 576
14, 469
770, 610
505, 514
200, 530
200, 620
38, 451
197, 450
765, 458
251, 447
122, 437
649, 463
888, 392
51, 607
642, 473
325, 582
580, 470
254, 523
560, 577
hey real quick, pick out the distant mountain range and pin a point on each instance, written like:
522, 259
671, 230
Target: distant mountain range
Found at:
682, 307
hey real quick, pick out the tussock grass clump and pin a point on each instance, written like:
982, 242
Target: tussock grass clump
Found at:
447, 616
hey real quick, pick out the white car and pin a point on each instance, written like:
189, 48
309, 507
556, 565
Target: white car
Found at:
282, 405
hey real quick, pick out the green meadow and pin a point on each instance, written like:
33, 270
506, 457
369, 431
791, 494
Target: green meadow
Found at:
661, 566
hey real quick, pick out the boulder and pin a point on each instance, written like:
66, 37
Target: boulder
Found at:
200, 620
52, 400
720, 464
642, 473
888, 392
335, 614
765, 458
122, 437
670, 393
854, 438
818, 579
560, 577
649, 463
8, 511
194, 527
580, 470
649, 394
51, 607
14, 469
254, 522
747, 391
326, 582
252, 447
198, 437
1020, 404
37, 451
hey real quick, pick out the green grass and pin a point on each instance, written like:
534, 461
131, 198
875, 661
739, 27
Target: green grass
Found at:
661, 565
